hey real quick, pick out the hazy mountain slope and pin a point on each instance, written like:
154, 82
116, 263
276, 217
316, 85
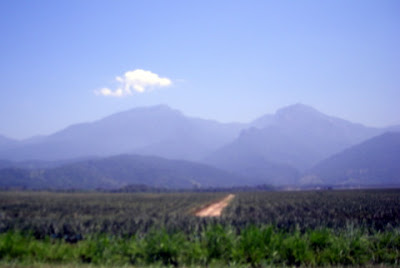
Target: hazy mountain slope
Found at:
194, 140
144, 130
395, 128
5, 164
118, 171
246, 157
375, 161
7, 143
39, 164
20, 178
263, 121
297, 136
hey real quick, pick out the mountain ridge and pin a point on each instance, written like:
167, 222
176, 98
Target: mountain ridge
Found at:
119, 171
296, 137
272, 149
128, 132
374, 161
292, 121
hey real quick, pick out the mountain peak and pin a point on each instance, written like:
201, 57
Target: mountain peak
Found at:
161, 107
158, 107
299, 113
293, 112
298, 108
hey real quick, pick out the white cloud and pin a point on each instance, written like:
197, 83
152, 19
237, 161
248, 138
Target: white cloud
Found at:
135, 81
108, 92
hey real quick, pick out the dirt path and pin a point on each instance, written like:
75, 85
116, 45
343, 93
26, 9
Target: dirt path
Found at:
215, 209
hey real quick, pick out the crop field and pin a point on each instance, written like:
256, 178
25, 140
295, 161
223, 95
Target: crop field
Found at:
353, 227
368, 209
70, 214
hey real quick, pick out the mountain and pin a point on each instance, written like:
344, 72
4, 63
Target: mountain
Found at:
306, 125
294, 138
374, 162
118, 171
263, 121
395, 128
273, 149
6, 164
40, 164
6, 143
245, 157
157, 130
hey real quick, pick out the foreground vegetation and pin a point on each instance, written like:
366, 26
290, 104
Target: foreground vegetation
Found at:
257, 229
252, 246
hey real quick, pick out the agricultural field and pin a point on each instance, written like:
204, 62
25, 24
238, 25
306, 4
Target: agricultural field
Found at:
311, 228
368, 209
68, 215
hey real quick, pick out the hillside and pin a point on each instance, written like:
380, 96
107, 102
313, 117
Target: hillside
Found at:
6, 143
246, 157
118, 171
374, 162
157, 130
295, 137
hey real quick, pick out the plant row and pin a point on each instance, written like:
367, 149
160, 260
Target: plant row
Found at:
253, 246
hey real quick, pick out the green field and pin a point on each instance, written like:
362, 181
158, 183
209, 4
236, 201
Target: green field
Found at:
358, 227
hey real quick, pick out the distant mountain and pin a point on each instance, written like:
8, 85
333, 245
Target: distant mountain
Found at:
263, 121
246, 157
395, 128
118, 171
295, 137
374, 162
40, 164
157, 130
273, 149
7, 143
6, 164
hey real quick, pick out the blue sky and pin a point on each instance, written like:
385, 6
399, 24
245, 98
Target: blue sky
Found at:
225, 60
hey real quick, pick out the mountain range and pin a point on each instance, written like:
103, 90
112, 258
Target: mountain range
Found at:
291, 147
157, 130
119, 171
293, 139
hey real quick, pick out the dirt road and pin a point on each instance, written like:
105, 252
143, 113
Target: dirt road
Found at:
215, 209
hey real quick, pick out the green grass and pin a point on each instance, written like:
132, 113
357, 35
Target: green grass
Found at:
253, 246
